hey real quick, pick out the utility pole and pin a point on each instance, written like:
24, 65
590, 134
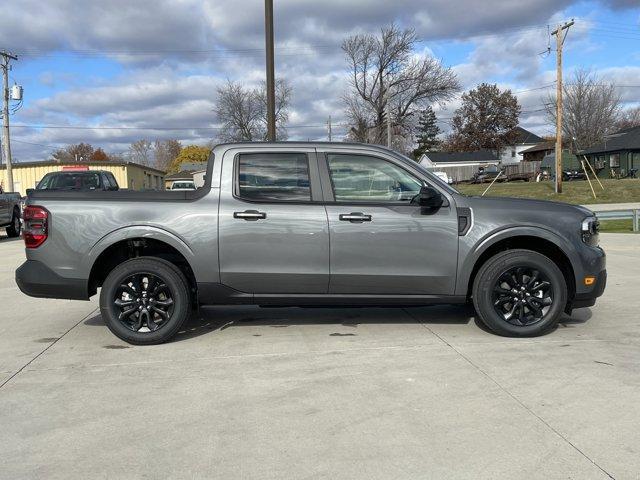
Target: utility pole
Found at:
271, 93
561, 35
6, 58
329, 127
388, 115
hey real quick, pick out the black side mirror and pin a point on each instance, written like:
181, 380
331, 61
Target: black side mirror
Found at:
30, 191
430, 197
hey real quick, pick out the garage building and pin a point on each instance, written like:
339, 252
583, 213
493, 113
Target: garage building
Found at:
128, 174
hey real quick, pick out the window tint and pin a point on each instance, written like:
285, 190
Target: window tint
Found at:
70, 181
274, 177
370, 179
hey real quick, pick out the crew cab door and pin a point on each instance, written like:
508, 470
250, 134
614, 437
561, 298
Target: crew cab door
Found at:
4, 208
380, 242
273, 234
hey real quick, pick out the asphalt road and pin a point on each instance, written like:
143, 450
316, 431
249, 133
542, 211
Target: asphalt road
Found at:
293, 393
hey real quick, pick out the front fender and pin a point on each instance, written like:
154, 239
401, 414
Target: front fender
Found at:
471, 252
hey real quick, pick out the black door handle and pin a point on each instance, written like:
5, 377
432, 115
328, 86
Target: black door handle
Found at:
250, 215
355, 217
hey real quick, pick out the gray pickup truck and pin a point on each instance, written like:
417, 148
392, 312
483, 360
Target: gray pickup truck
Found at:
310, 224
10, 213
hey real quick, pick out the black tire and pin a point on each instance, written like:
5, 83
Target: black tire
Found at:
538, 305
137, 330
15, 228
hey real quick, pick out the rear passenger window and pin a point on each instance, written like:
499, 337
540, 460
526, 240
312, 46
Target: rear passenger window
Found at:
278, 177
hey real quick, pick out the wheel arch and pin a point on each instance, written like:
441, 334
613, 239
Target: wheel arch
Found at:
536, 239
143, 241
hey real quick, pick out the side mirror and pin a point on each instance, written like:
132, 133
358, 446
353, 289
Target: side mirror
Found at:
430, 197
30, 191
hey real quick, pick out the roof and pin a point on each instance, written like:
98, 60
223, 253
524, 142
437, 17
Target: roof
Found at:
458, 157
541, 147
53, 163
626, 139
525, 137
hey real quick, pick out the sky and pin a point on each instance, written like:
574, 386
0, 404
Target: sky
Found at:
111, 72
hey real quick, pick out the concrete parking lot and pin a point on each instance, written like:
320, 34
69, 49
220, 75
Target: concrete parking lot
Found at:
292, 393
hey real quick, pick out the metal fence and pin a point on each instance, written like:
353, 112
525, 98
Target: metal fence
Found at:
633, 214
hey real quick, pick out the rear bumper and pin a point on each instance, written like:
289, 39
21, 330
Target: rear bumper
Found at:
35, 279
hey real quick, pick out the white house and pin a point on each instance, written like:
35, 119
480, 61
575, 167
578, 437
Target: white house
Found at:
524, 139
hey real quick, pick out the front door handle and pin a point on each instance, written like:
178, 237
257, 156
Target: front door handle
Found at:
355, 217
250, 215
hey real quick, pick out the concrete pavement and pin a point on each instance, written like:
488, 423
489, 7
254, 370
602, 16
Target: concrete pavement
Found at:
257, 393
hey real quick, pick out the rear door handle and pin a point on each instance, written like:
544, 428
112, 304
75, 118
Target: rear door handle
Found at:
355, 217
250, 215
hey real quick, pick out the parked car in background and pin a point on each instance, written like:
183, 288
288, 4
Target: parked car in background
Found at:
486, 174
310, 224
444, 177
84, 180
10, 212
179, 185
568, 175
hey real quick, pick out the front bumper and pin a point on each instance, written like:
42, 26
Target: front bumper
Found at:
35, 279
594, 264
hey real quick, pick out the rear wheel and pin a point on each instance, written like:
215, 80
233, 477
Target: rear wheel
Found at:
14, 229
145, 301
520, 293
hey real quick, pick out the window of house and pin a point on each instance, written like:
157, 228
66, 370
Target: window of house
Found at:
513, 153
614, 160
280, 177
361, 178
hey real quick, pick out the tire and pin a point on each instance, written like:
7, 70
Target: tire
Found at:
539, 304
155, 320
15, 228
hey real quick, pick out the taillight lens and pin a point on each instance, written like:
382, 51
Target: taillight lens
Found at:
36, 223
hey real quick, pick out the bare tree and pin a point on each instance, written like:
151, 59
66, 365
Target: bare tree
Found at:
141, 152
165, 151
590, 108
243, 111
385, 71
628, 118
80, 152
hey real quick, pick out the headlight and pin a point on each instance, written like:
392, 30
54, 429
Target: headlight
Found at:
590, 231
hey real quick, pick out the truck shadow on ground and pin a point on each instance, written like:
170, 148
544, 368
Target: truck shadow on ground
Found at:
219, 318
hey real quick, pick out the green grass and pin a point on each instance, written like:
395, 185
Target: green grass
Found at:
616, 226
576, 192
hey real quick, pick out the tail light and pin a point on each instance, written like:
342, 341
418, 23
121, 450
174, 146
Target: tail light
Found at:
36, 223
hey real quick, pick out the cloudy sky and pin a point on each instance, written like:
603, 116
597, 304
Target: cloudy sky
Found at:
110, 72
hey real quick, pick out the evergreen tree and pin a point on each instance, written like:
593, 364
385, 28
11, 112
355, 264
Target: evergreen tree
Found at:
428, 131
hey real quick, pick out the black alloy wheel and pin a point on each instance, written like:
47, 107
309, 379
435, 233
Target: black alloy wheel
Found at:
520, 293
145, 302
522, 296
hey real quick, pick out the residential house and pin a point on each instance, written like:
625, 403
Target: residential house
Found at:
617, 154
538, 151
524, 140
459, 166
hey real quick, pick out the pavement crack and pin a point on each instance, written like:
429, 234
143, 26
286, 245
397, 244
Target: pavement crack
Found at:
516, 399
48, 347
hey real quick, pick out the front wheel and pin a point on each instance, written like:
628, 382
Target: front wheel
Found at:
520, 293
145, 301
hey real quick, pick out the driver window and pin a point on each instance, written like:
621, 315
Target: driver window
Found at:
361, 178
